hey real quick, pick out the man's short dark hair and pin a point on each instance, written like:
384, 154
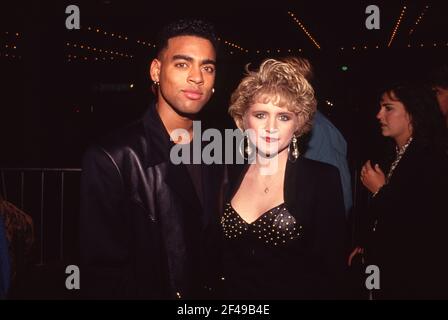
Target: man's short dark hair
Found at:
186, 27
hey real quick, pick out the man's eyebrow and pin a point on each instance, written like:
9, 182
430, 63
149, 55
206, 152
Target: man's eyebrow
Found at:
208, 61
190, 59
182, 57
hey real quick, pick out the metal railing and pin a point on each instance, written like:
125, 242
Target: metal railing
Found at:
14, 182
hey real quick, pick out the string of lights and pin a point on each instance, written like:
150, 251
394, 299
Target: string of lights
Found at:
429, 45
16, 34
365, 47
119, 36
304, 29
233, 45
359, 47
73, 57
99, 50
10, 49
10, 56
350, 48
278, 51
420, 17
11, 46
397, 25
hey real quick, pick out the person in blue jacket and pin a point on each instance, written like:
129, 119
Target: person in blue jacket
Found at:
326, 144
4, 262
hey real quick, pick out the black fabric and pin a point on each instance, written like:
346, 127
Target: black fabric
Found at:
313, 266
410, 241
195, 172
254, 252
143, 233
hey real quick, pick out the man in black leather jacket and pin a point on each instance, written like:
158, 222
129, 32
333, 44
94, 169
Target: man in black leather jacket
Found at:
148, 226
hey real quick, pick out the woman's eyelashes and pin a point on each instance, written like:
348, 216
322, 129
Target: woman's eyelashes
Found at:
260, 115
284, 117
387, 107
281, 117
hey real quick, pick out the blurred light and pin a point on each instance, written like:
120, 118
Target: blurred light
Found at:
396, 26
344, 68
304, 30
131, 85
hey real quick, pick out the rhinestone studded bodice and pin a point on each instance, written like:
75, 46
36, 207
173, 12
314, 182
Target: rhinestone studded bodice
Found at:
274, 227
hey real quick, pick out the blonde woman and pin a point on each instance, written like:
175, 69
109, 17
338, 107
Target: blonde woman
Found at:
283, 224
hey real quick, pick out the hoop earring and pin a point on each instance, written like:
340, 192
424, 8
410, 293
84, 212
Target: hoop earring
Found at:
293, 149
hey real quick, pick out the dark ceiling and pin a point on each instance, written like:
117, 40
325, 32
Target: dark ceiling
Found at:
255, 25
267, 25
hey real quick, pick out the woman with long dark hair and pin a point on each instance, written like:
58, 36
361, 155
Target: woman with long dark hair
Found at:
407, 216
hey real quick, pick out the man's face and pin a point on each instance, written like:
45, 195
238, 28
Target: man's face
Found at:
186, 73
442, 98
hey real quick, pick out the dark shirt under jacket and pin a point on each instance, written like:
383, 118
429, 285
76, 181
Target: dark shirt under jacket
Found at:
143, 231
406, 232
307, 261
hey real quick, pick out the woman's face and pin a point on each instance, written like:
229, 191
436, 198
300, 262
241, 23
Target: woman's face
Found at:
394, 119
270, 127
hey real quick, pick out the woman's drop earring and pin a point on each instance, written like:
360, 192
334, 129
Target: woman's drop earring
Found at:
293, 153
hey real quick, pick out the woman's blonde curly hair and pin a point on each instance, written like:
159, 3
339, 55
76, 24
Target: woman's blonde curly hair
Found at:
281, 82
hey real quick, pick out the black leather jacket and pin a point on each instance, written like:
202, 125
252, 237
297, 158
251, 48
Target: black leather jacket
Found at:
143, 231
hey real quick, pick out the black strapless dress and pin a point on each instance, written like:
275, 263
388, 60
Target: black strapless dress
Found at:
265, 259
